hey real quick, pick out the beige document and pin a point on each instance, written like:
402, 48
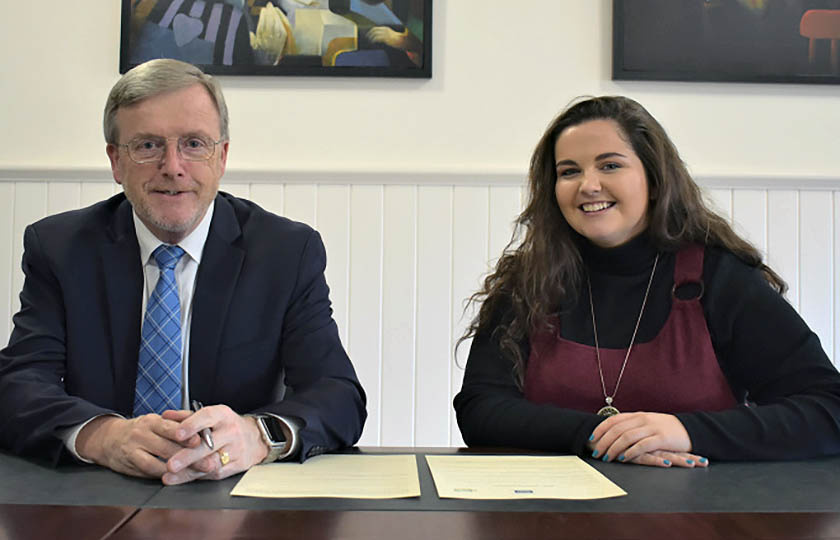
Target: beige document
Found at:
343, 476
518, 477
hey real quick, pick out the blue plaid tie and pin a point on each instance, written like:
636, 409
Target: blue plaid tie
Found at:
159, 364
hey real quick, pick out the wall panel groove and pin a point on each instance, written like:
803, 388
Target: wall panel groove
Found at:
402, 259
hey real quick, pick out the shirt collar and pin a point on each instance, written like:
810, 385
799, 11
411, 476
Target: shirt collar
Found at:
193, 244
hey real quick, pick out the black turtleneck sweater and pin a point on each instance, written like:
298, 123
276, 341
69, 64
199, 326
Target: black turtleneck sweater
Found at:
765, 350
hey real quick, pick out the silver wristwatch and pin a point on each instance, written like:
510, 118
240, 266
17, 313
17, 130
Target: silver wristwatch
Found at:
273, 435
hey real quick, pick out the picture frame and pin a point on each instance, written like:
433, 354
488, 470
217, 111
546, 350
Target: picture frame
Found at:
323, 38
756, 41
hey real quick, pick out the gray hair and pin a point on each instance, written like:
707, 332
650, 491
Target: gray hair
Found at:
156, 77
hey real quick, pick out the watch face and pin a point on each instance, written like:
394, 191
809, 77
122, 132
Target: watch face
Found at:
272, 425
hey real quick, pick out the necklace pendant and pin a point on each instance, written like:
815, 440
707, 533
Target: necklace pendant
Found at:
608, 411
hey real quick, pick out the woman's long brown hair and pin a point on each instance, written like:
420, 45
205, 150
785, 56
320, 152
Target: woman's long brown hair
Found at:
535, 275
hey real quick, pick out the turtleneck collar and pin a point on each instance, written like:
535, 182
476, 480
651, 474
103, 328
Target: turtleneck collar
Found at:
632, 257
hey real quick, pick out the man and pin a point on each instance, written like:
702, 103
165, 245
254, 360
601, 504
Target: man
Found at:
173, 292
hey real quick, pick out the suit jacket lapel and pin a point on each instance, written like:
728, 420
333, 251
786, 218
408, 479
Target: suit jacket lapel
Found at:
123, 278
218, 273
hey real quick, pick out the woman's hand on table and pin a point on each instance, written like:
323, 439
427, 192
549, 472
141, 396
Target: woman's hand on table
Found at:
652, 439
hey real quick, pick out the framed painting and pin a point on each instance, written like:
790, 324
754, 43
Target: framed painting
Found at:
356, 38
772, 41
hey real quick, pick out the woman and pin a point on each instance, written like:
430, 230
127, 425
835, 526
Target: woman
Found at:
631, 323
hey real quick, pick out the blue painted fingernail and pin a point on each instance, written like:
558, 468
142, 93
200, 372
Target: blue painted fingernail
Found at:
703, 460
592, 437
606, 457
667, 462
594, 453
690, 461
621, 457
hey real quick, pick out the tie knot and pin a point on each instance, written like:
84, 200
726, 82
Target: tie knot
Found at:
167, 256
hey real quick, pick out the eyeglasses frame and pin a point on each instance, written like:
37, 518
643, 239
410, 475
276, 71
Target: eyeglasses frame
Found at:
177, 147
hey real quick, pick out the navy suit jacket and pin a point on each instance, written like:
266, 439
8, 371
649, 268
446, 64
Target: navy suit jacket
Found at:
261, 317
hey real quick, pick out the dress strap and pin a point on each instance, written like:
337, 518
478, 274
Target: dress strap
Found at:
689, 267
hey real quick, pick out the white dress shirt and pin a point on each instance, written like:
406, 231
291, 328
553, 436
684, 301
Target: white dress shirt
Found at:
185, 272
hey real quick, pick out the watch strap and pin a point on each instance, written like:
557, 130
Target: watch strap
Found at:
275, 448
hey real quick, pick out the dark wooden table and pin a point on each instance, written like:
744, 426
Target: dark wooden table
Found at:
52, 521
366, 525
788, 500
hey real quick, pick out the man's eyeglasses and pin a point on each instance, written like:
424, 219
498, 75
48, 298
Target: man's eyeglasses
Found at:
150, 149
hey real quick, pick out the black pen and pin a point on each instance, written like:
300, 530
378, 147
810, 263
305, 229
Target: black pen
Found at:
205, 433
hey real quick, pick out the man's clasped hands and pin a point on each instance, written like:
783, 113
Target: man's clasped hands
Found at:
170, 447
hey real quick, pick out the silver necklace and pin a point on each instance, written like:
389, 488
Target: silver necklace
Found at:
608, 409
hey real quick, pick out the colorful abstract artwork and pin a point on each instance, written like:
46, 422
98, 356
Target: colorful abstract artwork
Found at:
373, 38
775, 41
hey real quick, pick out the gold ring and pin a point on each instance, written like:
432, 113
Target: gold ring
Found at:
224, 457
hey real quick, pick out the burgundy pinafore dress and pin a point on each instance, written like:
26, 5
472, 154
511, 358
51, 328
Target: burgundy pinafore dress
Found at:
675, 372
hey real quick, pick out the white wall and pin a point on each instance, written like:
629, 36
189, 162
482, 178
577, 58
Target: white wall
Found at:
500, 72
414, 184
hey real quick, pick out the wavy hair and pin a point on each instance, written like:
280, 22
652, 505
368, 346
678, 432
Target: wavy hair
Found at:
535, 275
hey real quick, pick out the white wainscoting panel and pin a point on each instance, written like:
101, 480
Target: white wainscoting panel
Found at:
505, 205
30, 205
334, 226
403, 257
63, 197
434, 316
93, 192
300, 203
9, 261
749, 214
399, 316
269, 195
836, 274
816, 259
470, 241
364, 323
783, 238
721, 201
239, 190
